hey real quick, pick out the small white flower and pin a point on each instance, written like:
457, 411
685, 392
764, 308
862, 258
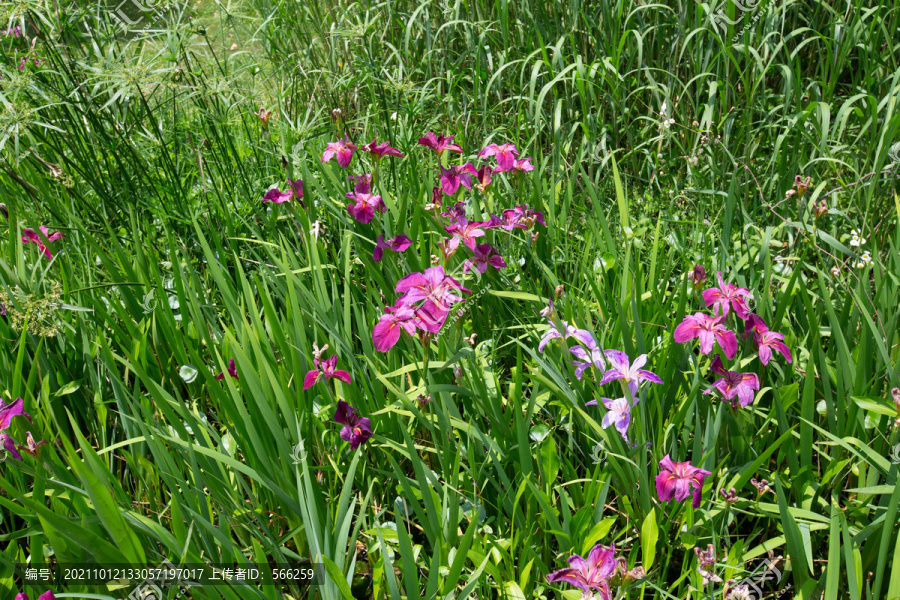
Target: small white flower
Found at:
522, 262
706, 221
668, 123
662, 109
393, 116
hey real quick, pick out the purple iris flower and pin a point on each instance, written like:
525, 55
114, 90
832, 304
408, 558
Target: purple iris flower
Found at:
13, 409
710, 330
589, 574
342, 150
506, 155
439, 290
454, 176
325, 368
48, 595
455, 212
679, 480
439, 143
356, 429
766, 341
587, 358
365, 207
483, 178
9, 445
735, 387
276, 196
31, 236
362, 184
728, 296
523, 164
232, 370
398, 244
395, 319
379, 151
631, 374
484, 255
465, 231
619, 414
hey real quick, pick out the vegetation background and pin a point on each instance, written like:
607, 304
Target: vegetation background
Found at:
138, 138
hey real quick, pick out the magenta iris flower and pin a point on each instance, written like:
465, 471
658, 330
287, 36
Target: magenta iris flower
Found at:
365, 207
726, 297
589, 574
13, 409
484, 255
508, 221
325, 368
465, 231
483, 178
766, 341
395, 320
48, 595
439, 143
710, 330
521, 217
455, 212
31, 236
398, 244
523, 165
356, 429
679, 480
362, 184
379, 151
31, 447
630, 373
506, 155
454, 176
232, 370
9, 445
439, 291
735, 387
342, 150
276, 196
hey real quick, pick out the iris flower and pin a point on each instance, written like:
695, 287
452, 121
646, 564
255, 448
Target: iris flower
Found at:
13, 409
506, 155
362, 184
9, 445
523, 164
735, 387
325, 368
454, 176
630, 373
456, 211
553, 333
439, 143
30, 446
589, 574
439, 291
342, 150
483, 178
48, 595
766, 341
710, 330
592, 357
728, 296
356, 429
679, 480
276, 196
466, 232
619, 414
484, 255
31, 236
379, 151
395, 319
698, 275
398, 244
365, 207
232, 370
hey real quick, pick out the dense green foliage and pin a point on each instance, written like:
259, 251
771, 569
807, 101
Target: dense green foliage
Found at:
660, 141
